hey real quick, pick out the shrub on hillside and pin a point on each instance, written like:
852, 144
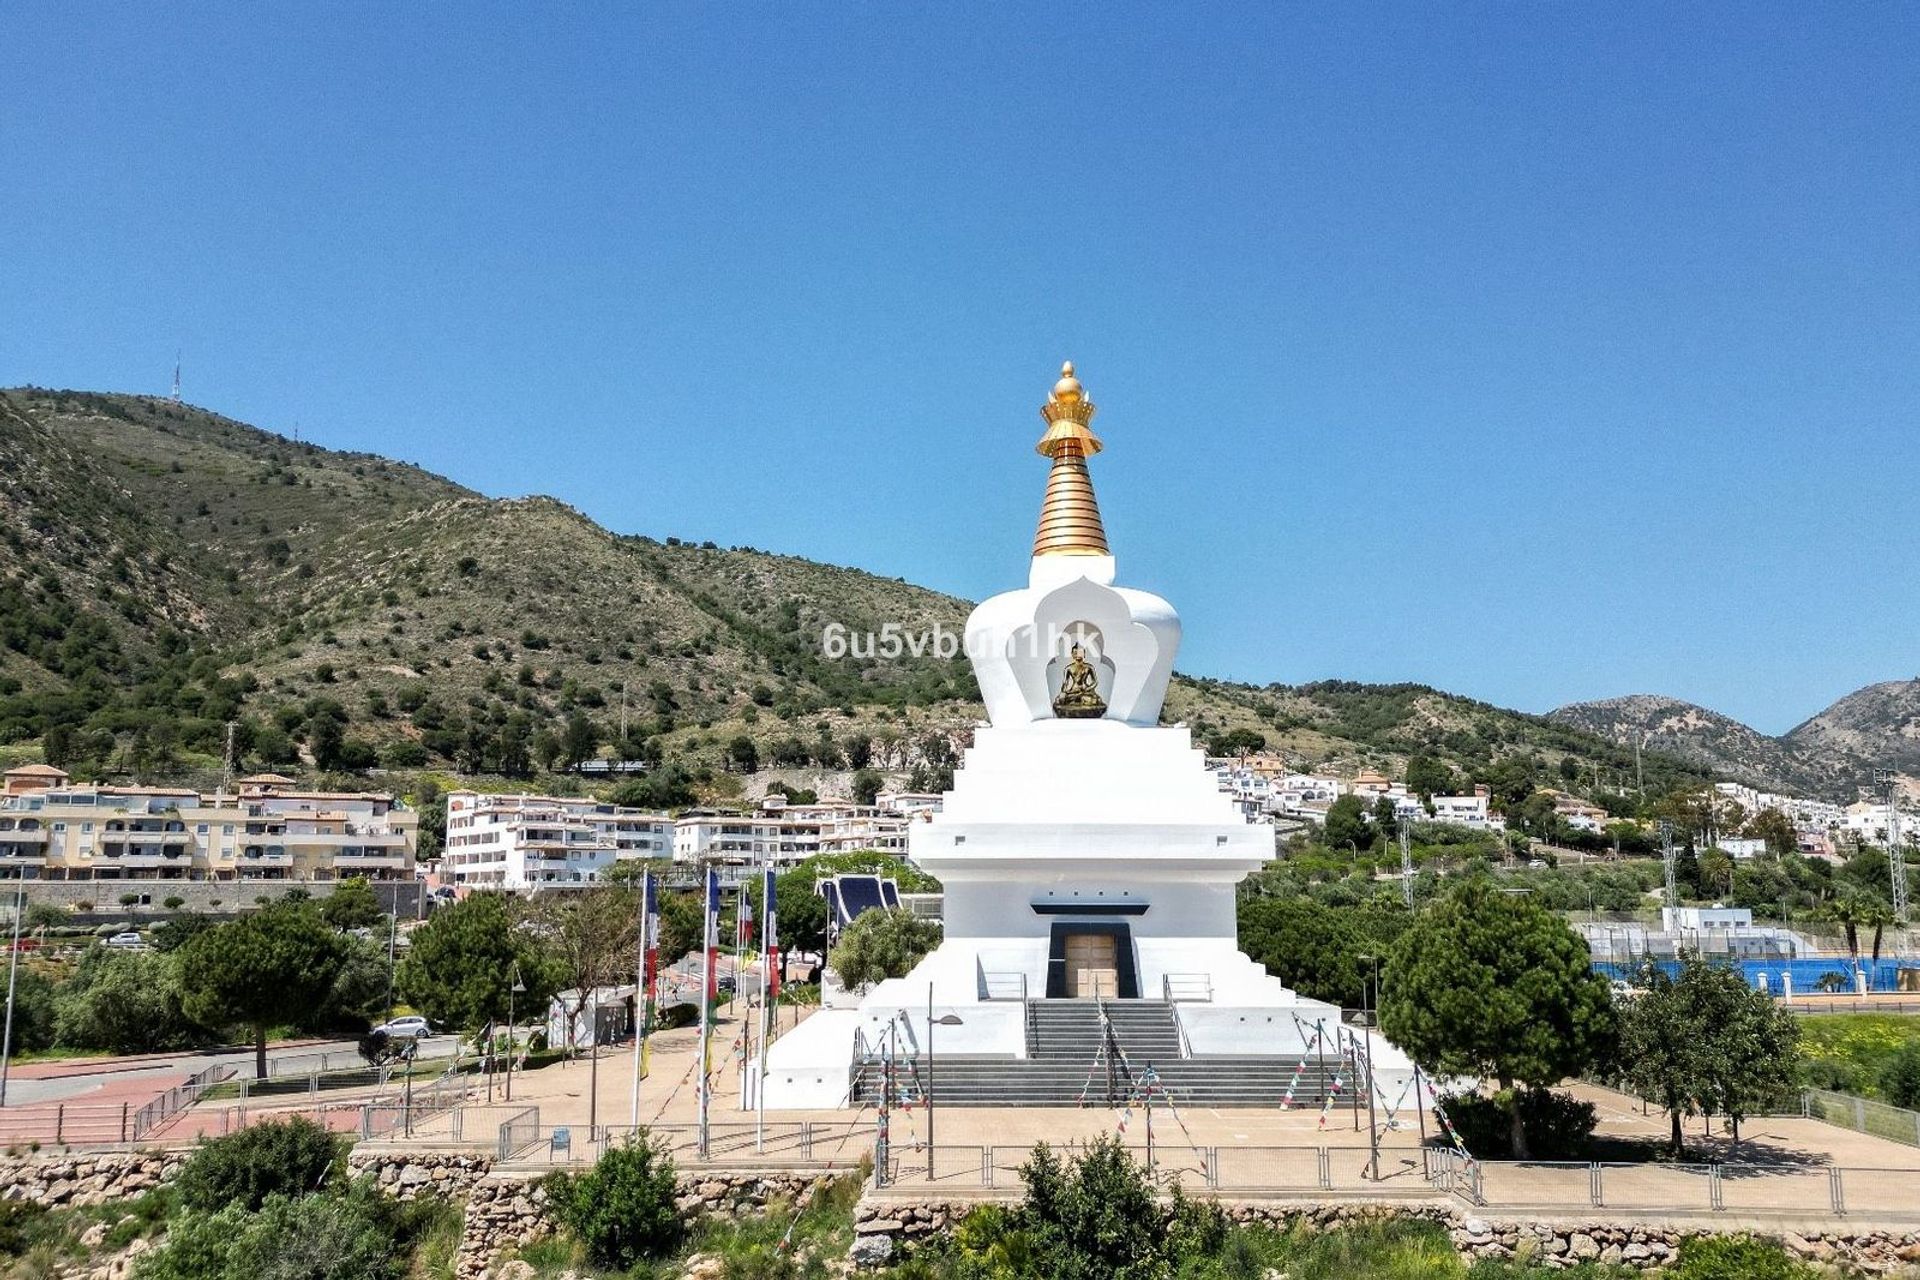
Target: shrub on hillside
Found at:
1559, 1125
623, 1210
1736, 1258
293, 1159
1900, 1077
357, 1234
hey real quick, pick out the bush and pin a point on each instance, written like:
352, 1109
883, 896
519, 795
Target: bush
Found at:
1900, 1077
17, 1219
292, 1159
1559, 1125
1094, 1216
1735, 1258
354, 1235
624, 1210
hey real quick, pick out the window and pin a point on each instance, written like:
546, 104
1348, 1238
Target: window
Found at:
202, 828
86, 826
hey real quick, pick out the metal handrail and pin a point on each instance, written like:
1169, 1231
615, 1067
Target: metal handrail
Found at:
1193, 987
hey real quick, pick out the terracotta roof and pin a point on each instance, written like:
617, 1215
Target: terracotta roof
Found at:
266, 779
36, 771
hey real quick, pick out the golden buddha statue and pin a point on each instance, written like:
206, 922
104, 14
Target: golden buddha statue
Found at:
1079, 697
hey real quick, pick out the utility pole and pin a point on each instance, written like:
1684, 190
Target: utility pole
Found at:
1896, 847
226, 770
1406, 860
13, 973
1639, 771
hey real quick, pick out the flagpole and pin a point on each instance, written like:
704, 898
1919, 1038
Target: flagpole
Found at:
769, 948
710, 947
640, 995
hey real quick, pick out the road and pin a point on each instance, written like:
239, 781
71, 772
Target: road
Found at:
56, 1081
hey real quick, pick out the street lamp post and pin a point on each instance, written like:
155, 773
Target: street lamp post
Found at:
944, 1020
13, 973
1366, 1027
517, 987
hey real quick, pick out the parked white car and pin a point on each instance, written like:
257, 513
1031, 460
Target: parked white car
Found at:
127, 941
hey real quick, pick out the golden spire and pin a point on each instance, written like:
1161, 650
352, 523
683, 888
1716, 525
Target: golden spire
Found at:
1069, 517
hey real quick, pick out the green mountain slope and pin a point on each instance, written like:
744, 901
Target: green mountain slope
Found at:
164, 570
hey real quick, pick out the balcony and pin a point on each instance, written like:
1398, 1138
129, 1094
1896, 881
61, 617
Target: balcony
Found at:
15, 852
153, 851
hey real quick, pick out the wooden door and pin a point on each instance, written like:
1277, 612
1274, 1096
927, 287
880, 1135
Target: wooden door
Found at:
1093, 967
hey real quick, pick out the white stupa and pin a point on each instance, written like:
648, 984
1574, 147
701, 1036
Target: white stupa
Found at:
1086, 852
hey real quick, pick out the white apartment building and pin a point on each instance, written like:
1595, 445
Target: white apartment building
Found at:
1474, 810
54, 829
1809, 817
780, 833
532, 842
1871, 822
1304, 795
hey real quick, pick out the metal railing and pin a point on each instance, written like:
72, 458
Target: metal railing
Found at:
1004, 985
518, 1133
1195, 988
1863, 1115
164, 1108
800, 1144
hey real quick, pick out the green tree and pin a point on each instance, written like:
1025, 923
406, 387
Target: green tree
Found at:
1428, 776
803, 913
591, 936
866, 785
35, 1012
1316, 947
1493, 985
124, 1002
1900, 1076
1777, 830
267, 969
1346, 824
459, 969
1706, 1042
881, 944
579, 740
1236, 742
352, 905
742, 755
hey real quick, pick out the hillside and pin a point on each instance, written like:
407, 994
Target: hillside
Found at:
165, 570
1878, 726
1707, 738
1833, 755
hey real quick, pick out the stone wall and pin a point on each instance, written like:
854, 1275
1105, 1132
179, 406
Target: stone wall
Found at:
408, 1174
81, 1180
891, 1228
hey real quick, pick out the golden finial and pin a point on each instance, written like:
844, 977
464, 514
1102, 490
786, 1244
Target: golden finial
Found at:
1068, 413
1069, 516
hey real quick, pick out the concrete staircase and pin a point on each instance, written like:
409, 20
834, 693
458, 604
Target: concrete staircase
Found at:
1065, 1067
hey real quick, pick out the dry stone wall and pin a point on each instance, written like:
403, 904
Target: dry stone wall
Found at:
82, 1180
885, 1230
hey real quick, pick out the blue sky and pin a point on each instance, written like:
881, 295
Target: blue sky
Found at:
1538, 353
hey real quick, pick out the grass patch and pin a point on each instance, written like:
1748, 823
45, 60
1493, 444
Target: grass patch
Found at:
1850, 1051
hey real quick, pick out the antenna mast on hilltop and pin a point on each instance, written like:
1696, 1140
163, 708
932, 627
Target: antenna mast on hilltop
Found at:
176, 377
1896, 848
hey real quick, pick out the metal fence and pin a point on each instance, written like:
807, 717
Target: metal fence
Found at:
1863, 1115
156, 1114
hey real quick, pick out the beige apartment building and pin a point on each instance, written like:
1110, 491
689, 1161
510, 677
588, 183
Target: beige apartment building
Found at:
54, 829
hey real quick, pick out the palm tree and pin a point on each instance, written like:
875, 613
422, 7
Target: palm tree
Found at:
1848, 910
1879, 914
